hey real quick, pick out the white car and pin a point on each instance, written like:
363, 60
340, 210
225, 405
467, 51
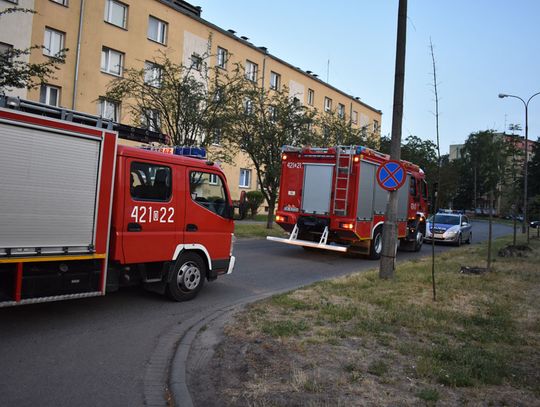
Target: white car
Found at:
449, 228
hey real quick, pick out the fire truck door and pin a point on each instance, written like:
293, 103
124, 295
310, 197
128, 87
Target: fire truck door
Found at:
317, 189
207, 225
152, 211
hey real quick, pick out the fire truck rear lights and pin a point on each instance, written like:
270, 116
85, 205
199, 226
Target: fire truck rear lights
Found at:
356, 159
348, 226
284, 157
280, 218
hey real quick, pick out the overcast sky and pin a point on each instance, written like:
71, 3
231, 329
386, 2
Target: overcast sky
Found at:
482, 48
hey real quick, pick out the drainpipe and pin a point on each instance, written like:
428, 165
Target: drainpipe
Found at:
77, 61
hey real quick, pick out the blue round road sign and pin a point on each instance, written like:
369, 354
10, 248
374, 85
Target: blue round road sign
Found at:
391, 175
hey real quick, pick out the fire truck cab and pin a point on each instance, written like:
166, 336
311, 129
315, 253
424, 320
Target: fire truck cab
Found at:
330, 199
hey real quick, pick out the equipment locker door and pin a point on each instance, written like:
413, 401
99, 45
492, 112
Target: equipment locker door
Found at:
207, 204
153, 210
317, 189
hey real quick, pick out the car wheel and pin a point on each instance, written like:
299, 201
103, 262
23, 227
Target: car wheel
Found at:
187, 277
375, 248
469, 240
459, 241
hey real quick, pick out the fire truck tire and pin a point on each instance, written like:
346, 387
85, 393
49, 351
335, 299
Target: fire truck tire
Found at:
418, 241
375, 248
187, 277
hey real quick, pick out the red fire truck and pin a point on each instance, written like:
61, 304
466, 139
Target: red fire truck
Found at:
81, 215
330, 199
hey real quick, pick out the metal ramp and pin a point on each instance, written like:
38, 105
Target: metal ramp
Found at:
321, 244
344, 161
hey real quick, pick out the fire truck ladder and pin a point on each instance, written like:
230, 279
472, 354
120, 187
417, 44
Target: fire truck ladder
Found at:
344, 160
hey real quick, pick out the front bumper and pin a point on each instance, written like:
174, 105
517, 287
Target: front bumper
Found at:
442, 239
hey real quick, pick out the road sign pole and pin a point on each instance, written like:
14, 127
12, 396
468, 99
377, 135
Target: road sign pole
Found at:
389, 248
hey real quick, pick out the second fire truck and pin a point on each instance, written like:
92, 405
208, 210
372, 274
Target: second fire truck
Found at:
330, 199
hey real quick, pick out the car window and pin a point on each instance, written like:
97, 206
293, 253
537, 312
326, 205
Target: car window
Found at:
447, 219
208, 190
150, 182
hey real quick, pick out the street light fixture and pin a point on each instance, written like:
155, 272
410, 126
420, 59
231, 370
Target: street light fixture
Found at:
525, 226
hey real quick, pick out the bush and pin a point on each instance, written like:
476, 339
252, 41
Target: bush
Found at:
254, 200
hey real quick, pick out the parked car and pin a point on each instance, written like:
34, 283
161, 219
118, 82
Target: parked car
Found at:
535, 224
449, 228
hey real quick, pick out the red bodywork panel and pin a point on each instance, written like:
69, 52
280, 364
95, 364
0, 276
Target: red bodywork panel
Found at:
290, 208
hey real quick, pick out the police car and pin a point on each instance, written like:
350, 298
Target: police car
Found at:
448, 227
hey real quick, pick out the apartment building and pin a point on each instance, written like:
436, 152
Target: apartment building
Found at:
106, 36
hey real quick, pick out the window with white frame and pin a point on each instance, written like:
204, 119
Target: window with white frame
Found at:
157, 30
116, 13
341, 111
62, 2
150, 120
196, 62
272, 113
216, 136
248, 106
252, 70
327, 104
354, 117
49, 95
53, 42
310, 97
222, 57
275, 80
375, 126
152, 74
245, 178
213, 179
111, 61
108, 109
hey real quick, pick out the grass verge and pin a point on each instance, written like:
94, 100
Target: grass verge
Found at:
359, 340
247, 230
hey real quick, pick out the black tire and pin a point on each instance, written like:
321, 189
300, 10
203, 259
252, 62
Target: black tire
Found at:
469, 240
419, 241
459, 241
187, 277
375, 248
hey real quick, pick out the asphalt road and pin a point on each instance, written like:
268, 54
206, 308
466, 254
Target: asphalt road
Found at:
95, 351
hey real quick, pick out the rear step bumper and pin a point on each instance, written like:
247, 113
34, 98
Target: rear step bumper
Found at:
306, 243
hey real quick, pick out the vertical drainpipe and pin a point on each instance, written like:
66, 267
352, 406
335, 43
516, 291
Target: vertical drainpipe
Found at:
77, 61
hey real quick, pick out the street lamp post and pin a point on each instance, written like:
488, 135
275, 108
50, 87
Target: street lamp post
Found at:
525, 227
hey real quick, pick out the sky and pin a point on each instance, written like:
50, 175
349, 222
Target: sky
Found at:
482, 48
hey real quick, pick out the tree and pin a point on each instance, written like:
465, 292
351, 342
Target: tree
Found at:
422, 153
534, 171
337, 131
15, 73
260, 122
188, 103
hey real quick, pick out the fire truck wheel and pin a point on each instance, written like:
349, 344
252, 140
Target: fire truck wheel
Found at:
187, 278
419, 240
376, 245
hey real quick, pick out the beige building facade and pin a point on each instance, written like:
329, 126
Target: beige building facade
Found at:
103, 37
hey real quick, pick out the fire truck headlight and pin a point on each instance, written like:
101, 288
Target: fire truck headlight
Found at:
348, 226
284, 157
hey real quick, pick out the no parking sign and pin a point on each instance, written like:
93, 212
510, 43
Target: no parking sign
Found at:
391, 175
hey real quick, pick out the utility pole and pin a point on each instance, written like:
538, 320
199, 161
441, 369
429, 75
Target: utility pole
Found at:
390, 235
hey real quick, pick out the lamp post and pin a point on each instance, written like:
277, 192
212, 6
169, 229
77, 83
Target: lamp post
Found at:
525, 226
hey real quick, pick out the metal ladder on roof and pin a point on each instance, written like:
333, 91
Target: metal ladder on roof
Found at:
344, 161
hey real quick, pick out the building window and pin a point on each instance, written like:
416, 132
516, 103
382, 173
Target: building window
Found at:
354, 118
111, 61
108, 109
196, 62
375, 126
150, 182
150, 120
216, 136
222, 56
252, 70
248, 106
272, 113
116, 13
157, 30
53, 42
213, 179
275, 80
6, 52
49, 95
310, 97
327, 104
62, 2
341, 111
152, 74
245, 178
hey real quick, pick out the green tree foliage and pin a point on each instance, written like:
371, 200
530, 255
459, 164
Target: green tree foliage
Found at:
15, 73
534, 171
254, 200
260, 122
188, 103
335, 130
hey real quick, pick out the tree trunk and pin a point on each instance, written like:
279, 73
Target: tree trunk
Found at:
389, 247
270, 218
